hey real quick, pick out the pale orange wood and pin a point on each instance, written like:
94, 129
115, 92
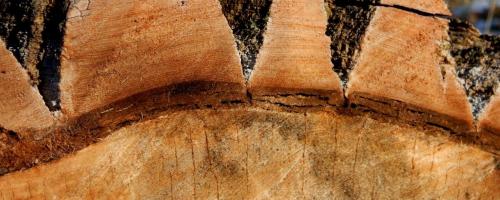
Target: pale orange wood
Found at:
257, 154
295, 61
120, 48
21, 106
429, 6
489, 123
400, 71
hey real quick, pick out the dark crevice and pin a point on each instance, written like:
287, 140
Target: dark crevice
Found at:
51, 47
304, 95
347, 24
440, 126
478, 63
248, 20
7, 138
8, 134
33, 31
287, 106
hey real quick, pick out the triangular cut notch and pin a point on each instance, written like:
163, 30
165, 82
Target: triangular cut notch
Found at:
248, 20
347, 23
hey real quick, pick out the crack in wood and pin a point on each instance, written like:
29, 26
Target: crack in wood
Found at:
347, 24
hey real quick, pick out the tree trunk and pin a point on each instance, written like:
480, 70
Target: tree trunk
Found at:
246, 99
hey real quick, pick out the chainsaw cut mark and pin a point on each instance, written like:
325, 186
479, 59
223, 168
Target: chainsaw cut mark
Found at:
248, 20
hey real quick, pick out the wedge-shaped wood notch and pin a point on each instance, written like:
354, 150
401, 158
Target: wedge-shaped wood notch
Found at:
21, 106
429, 6
489, 124
166, 52
294, 67
403, 71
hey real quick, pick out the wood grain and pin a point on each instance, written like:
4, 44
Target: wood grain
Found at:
125, 62
21, 106
258, 154
429, 6
294, 61
117, 49
489, 123
404, 70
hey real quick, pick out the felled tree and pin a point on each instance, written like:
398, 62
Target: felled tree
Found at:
246, 99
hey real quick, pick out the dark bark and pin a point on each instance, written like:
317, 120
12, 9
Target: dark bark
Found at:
248, 20
33, 31
478, 62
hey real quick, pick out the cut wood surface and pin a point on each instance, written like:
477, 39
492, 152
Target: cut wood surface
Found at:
403, 71
154, 104
258, 154
21, 106
117, 49
489, 124
438, 7
294, 65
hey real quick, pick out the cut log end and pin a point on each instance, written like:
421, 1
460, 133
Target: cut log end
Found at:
247, 99
253, 153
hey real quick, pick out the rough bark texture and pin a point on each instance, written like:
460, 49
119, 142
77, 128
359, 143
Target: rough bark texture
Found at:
248, 19
49, 62
33, 31
347, 23
478, 63
17, 28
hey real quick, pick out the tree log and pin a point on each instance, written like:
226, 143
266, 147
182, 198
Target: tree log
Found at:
247, 99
